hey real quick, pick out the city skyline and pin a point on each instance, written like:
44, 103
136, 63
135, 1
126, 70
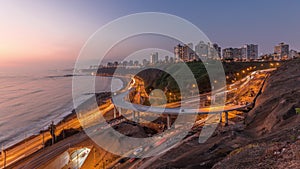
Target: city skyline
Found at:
188, 52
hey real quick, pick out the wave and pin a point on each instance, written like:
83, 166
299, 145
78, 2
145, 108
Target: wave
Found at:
60, 76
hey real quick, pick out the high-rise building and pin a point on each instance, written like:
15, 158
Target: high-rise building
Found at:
125, 63
166, 59
201, 49
136, 63
281, 50
178, 52
171, 60
145, 62
130, 63
216, 51
184, 52
154, 58
249, 52
232, 53
191, 46
189, 53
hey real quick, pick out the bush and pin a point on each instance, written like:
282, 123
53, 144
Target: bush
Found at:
297, 110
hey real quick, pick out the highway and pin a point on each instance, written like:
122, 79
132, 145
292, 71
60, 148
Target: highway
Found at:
120, 101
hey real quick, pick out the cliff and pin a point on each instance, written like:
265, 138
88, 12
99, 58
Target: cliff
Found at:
270, 137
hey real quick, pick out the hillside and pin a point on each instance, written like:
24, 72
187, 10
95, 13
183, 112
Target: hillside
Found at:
270, 137
274, 123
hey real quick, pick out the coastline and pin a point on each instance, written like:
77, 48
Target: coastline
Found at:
67, 125
67, 118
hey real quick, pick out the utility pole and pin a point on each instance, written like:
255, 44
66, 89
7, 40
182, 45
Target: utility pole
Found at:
115, 113
3, 153
52, 129
168, 122
4, 163
77, 159
226, 118
94, 157
63, 133
25, 142
43, 137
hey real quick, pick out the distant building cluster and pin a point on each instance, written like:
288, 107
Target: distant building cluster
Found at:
249, 52
202, 51
281, 52
245, 53
153, 60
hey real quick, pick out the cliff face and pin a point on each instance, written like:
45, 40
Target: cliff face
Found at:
270, 137
273, 124
275, 107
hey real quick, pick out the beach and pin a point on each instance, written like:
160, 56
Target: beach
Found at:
29, 104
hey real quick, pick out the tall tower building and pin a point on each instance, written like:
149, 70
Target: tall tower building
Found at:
249, 52
178, 52
154, 58
201, 49
281, 50
216, 51
184, 52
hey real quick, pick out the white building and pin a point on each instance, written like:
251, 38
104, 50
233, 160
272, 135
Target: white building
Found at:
201, 49
154, 58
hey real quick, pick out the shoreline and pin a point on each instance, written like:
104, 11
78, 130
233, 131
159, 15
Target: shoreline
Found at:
64, 119
68, 117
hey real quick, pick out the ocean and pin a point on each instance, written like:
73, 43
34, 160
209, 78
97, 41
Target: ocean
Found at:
28, 103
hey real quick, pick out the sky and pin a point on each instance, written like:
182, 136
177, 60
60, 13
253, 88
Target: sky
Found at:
49, 34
